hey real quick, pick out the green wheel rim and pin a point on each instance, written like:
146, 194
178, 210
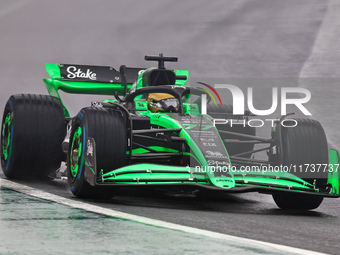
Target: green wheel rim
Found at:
75, 154
6, 136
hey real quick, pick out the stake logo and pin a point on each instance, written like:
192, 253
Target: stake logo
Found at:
73, 73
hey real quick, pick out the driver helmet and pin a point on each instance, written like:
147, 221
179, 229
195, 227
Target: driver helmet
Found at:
162, 102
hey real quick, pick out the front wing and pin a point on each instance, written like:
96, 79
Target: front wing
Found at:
235, 181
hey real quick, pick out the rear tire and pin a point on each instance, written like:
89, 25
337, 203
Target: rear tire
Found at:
108, 129
303, 144
33, 128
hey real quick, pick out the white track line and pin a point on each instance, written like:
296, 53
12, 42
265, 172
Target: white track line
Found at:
244, 242
13, 7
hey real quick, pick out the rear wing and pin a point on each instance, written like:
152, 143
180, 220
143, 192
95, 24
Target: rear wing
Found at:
96, 80
86, 73
85, 79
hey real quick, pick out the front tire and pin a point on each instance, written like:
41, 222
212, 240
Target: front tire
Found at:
33, 128
107, 128
297, 201
303, 145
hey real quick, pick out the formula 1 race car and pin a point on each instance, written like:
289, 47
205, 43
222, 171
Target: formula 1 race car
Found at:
157, 132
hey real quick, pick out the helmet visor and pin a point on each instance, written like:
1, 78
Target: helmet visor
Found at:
165, 103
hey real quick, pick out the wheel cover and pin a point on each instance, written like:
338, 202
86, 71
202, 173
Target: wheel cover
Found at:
75, 154
6, 137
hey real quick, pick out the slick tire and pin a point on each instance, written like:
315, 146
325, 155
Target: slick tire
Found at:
294, 201
304, 146
33, 128
107, 127
221, 111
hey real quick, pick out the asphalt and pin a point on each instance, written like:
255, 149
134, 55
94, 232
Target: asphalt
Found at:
26, 220
260, 43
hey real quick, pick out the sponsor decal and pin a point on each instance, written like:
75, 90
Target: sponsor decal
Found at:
96, 104
214, 154
210, 144
202, 132
207, 139
218, 162
224, 180
178, 87
74, 72
89, 150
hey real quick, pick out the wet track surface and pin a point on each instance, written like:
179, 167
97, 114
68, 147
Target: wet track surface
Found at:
250, 215
274, 41
36, 226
